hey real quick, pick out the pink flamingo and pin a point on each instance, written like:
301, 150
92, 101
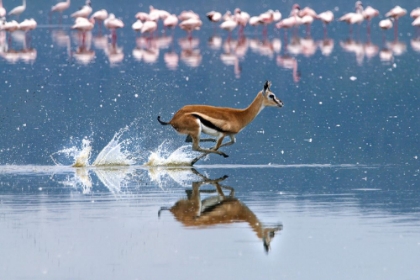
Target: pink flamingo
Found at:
2, 10
242, 19
184, 15
142, 16
83, 25
84, 11
287, 23
18, 10
157, 14
369, 13
170, 21
27, 25
266, 19
396, 13
100, 16
137, 26
326, 17
150, 27
415, 13
190, 24
307, 21
112, 23
229, 25
60, 7
353, 18
10, 26
214, 16
385, 24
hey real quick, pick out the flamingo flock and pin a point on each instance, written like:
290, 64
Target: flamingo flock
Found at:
146, 25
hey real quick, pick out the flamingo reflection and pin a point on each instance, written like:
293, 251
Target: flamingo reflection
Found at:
326, 46
415, 44
83, 53
190, 53
218, 209
146, 50
11, 53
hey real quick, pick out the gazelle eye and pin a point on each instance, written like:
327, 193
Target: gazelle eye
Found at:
271, 96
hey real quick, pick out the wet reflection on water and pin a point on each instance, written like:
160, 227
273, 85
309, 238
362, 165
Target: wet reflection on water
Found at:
217, 209
233, 52
50, 216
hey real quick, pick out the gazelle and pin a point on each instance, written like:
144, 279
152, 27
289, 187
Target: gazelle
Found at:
219, 121
218, 209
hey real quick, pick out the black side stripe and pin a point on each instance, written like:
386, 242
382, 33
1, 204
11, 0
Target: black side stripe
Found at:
208, 123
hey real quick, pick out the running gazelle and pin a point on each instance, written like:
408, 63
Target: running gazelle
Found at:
219, 121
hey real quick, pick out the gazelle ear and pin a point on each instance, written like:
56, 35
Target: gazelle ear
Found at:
267, 86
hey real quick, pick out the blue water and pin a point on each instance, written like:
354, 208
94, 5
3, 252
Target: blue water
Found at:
336, 168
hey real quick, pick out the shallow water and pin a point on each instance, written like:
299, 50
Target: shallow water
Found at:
333, 174
337, 222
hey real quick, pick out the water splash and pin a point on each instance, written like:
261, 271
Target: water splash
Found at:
116, 152
182, 156
74, 156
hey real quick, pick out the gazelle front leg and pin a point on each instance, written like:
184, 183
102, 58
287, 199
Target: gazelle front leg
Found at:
231, 142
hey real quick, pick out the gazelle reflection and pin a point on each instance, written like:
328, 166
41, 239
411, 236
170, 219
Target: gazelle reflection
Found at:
194, 211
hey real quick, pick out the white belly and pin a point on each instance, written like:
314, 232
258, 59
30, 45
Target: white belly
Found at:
209, 131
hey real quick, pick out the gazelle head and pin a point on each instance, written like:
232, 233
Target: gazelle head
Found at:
270, 98
268, 235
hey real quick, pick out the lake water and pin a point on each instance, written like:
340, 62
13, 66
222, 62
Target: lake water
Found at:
326, 187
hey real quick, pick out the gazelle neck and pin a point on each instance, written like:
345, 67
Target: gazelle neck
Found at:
248, 114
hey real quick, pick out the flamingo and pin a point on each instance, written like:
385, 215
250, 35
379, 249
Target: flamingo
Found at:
170, 21
10, 26
229, 25
307, 20
100, 16
84, 11
385, 24
184, 15
266, 19
415, 13
83, 25
242, 19
149, 27
289, 23
156, 14
307, 12
369, 13
295, 10
326, 17
353, 18
18, 10
2, 10
142, 16
27, 25
137, 26
396, 13
214, 16
112, 23
190, 24
60, 7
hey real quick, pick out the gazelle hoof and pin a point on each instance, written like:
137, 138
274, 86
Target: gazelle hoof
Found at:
224, 155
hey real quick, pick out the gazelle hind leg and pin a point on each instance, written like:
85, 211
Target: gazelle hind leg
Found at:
196, 147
